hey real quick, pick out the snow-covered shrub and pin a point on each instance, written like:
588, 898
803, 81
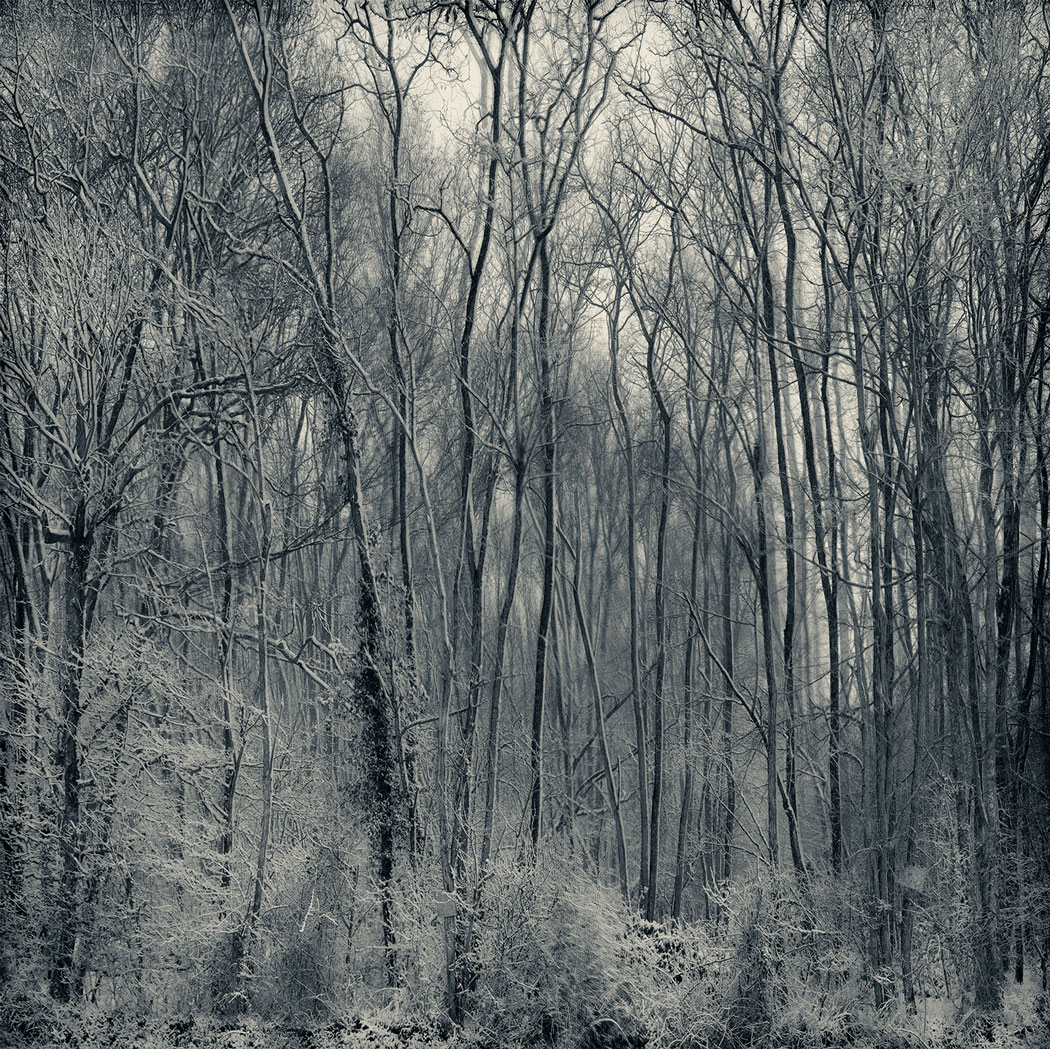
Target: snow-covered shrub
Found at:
796, 972
678, 982
551, 961
559, 959
420, 952
749, 1008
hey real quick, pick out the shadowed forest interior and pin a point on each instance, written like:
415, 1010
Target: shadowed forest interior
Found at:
525, 522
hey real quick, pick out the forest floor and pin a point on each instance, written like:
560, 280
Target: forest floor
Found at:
1022, 1024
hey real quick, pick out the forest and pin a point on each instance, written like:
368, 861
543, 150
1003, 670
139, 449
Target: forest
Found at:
525, 523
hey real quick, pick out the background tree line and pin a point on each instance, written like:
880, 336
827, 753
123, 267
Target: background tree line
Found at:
461, 459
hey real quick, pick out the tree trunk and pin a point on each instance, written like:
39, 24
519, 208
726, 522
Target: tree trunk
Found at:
641, 745
661, 628
65, 978
549, 538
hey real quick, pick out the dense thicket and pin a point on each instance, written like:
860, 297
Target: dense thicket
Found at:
533, 513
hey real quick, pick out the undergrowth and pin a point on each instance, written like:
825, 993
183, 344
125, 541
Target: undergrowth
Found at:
551, 959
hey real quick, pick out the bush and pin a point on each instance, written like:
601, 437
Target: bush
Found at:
551, 962
561, 960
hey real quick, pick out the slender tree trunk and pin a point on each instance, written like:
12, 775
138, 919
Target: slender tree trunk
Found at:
641, 745
661, 627
729, 662
231, 762
829, 576
787, 507
14, 787
549, 539
492, 748
688, 687
772, 713
612, 793
64, 978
